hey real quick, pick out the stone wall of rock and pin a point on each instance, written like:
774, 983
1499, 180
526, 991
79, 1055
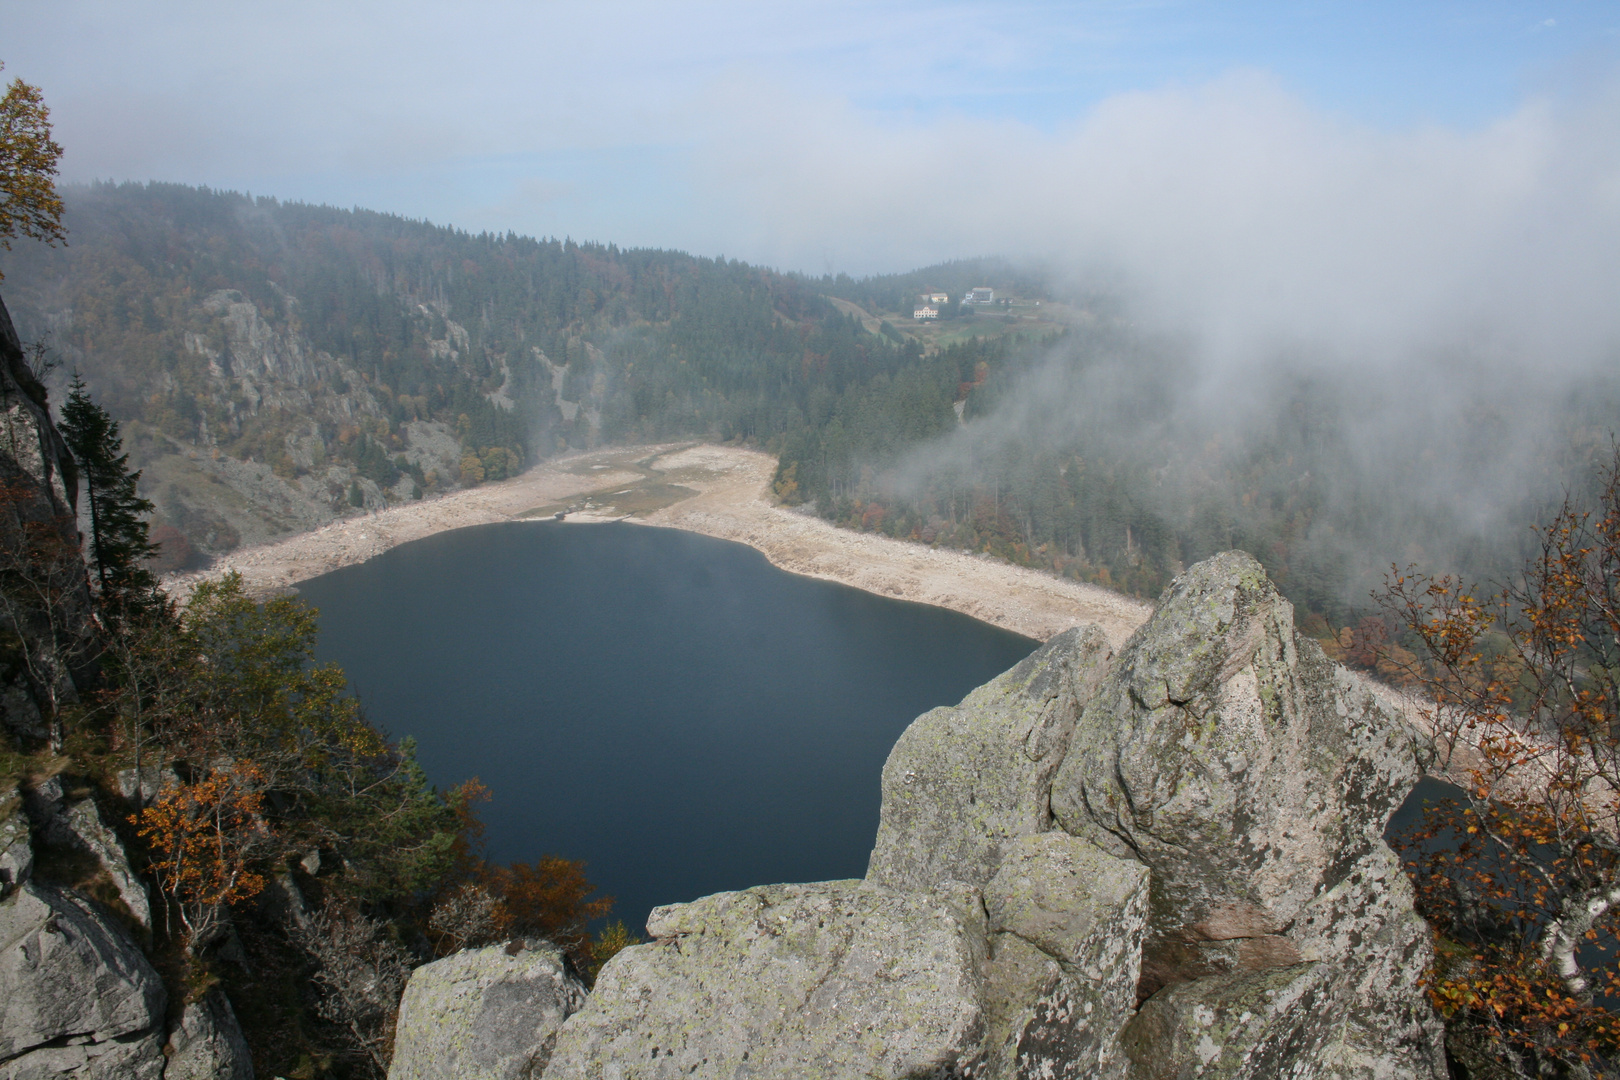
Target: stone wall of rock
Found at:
485, 1014
39, 537
1162, 864
78, 998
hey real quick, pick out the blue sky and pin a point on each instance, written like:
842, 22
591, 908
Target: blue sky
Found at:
605, 120
1390, 178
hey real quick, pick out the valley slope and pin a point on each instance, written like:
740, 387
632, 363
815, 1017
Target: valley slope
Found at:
719, 491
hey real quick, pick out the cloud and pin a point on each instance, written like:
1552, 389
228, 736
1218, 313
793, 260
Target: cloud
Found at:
1229, 210
1447, 296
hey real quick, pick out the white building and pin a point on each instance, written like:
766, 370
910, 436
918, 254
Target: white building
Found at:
925, 313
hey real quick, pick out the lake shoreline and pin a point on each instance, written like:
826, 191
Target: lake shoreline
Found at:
718, 491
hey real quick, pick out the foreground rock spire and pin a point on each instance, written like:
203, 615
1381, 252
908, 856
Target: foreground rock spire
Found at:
1162, 864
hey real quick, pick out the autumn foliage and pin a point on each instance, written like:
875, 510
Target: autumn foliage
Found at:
550, 898
1521, 878
207, 842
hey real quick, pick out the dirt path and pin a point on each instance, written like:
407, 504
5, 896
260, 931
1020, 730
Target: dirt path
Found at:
718, 491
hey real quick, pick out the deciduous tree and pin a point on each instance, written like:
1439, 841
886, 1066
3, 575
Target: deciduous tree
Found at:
209, 846
29, 204
1522, 881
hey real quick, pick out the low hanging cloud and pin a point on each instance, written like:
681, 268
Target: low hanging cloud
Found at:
1231, 211
1452, 297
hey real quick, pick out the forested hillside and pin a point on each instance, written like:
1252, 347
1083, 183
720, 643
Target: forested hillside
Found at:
312, 360
277, 365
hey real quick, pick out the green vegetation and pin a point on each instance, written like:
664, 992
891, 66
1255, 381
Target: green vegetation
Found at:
319, 341
263, 789
119, 547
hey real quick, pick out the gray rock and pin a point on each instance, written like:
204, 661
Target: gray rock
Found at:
44, 802
67, 972
79, 825
1255, 779
16, 846
82, 826
1232, 758
133, 1057
142, 786
207, 1044
484, 1013
962, 783
837, 979
1067, 922
1248, 1024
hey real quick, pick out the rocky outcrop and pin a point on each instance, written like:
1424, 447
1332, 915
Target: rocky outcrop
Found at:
78, 824
16, 844
1162, 865
484, 1014
50, 621
964, 783
836, 979
207, 1044
1253, 779
1067, 922
79, 998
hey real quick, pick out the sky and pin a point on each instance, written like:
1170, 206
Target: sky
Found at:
1417, 201
815, 136
1388, 183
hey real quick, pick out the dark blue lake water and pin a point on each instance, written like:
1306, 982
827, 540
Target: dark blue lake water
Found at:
669, 708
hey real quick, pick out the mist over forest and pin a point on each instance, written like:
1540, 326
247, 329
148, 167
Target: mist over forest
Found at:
1070, 425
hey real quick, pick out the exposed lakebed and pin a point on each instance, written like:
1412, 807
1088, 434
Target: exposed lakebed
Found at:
668, 707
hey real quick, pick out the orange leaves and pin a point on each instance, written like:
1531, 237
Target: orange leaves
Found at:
204, 837
548, 897
1531, 1009
29, 204
1526, 682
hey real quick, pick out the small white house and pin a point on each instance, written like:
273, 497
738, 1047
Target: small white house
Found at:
981, 295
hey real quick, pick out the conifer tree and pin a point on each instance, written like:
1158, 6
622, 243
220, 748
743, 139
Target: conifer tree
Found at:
119, 546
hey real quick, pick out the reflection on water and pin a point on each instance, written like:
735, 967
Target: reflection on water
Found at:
668, 707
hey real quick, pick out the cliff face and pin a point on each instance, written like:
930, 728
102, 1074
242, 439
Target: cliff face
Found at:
1162, 863
78, 998
45, 610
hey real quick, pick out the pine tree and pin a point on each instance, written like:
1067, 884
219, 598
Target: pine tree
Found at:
119, 546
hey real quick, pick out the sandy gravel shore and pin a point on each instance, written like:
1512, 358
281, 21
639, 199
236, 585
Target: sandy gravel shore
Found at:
715, 490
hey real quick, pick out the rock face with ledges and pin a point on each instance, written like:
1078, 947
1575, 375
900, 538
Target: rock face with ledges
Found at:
207, 1044
68, 977
1163, 865
484, 1014
1067, 922
963, 783
1233, 759
1253, 779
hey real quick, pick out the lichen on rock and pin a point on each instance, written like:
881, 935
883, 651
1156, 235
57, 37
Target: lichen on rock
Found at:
1162, 865
837, 979
964, 782
484, 1014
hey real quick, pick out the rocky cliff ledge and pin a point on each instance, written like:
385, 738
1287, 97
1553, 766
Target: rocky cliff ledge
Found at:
1165, 863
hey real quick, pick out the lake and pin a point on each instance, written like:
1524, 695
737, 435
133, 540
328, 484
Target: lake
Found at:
669, 708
